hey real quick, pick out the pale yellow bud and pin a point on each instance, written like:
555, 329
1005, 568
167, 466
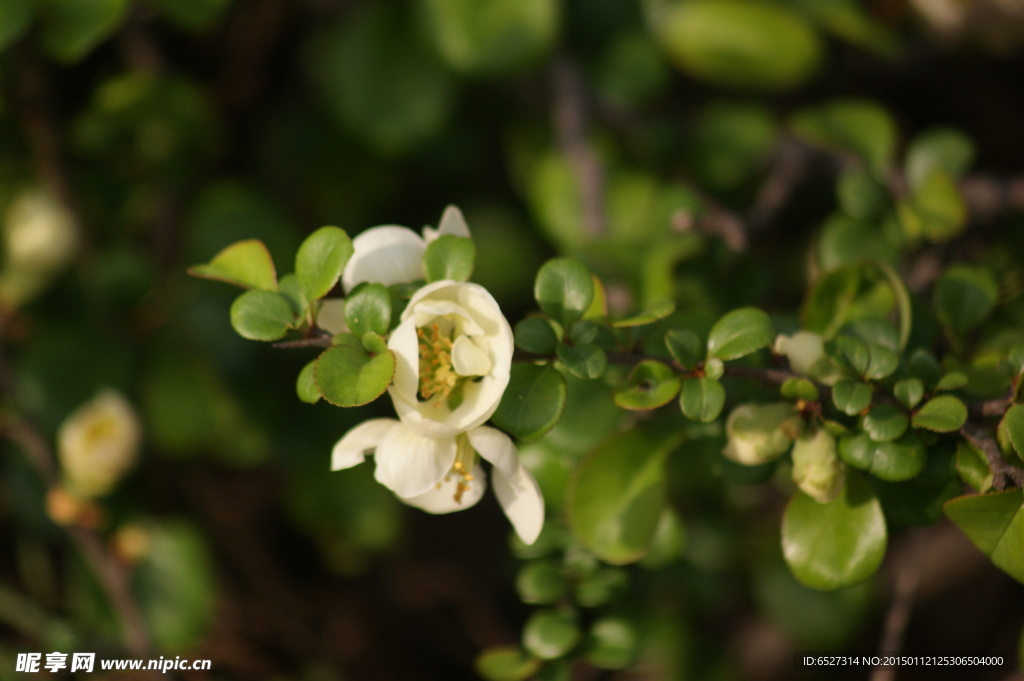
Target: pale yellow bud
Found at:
805, 351
39, 232
816, 468
98, 443
758, 433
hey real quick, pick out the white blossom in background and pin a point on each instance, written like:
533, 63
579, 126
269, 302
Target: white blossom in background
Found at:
805, 351
39, 238
98, 443
817, 471
391, 254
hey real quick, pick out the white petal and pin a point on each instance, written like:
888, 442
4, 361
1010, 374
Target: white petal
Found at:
352, 449
452, 222
387, 255
427, 311
441, 499
496, 447
331, 315
409, 464
468, 359
519, 495
405, 346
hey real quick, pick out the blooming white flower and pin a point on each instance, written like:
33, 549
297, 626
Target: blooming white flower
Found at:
98, 443
391, 254
441, 475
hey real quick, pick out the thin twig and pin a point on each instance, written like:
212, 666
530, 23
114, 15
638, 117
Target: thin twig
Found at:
1002, 471
570, 123
314, 342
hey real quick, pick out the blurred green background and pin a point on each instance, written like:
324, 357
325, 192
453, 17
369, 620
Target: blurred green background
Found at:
641, 137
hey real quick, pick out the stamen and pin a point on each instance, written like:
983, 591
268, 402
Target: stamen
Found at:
437, 375
465, 459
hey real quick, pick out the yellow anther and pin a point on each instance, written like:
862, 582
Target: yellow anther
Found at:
437, 376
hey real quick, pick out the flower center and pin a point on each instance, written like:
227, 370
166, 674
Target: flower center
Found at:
437, 374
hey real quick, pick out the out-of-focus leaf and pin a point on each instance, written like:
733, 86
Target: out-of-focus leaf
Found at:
505, 663
194, 15
15, 16
851, 397
885, 422
72, 28
935, 210
995, 524
535, 334
549, 634
943, 414
938, 149
964, 297
729, 142
853, 126
651, 384
305, 385
584, 360
739, 333
612, 643
702, 399
563, 289
449, 257
893, 461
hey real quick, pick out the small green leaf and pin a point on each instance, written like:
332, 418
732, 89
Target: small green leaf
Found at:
262, 315
943, 414
368, 308
549, 634
800, 389
685, 347
860, 194
15, 16
584, 332
835, 544
244, 263
964, 297
856, 126
702, 399
600, 587
995, 524
1013, 424
954, 380
536, 335
938, 149
505, 663
449, 257
714, 368
740, 333
854, 353
321, 259
616, 496
649, 316
373, 343
909, 392
883, 362
935, 210
885, 422
651, 384
583, 361
72, 28
290, 288
972, 467
613, 643
533, 401
851, 397
305, 386
348, 376
541, 583
564, 290
894, 461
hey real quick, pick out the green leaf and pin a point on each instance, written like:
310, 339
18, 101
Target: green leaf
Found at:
244, 263
549, 634
15, 16
368, 308
348, 376
685, 347
649, 316
613, 643
935, 210
851, 397
885, 422
305, 386
739, 333
262, 315
194, 15
938, 149
752, 45
505, 663
835, 544
995, 524
533, 401
943, 414
964, 297
954, 380
493, 38
1013, 422
536, 335
651, 384
972, 467
541, 583
909, 392
702, 399
901, 459
729, 142
600, 587
449, 257
564, 290
845, 295
321, 259
855, 126
799, 389
290, 288
883, 362
583, 361
854, 353
616, 495
860, 194
72, 28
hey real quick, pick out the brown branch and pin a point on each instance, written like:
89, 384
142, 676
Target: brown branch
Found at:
1002, 471
898, 616
314, 342
570, 123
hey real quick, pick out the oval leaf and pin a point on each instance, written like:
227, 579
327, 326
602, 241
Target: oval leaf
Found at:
585, 360
449, 257
244, 263
305, 386
851, 397
651, 384
995, 524
506, 663
549, 634
261, 315
740, 333
348, 376
368, 309
836, 544
321, 259
702, 399
885, 423
943, 414
564, 289
533, 401
895, 461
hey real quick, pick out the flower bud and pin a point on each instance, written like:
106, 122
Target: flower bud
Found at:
759, 433
805, 351
98, 443
816, 468
39, 232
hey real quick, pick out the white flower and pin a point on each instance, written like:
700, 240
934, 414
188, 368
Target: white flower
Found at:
39, 231
759, 433
441, 475
98, 443
390, 254
453, 354
816, 468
